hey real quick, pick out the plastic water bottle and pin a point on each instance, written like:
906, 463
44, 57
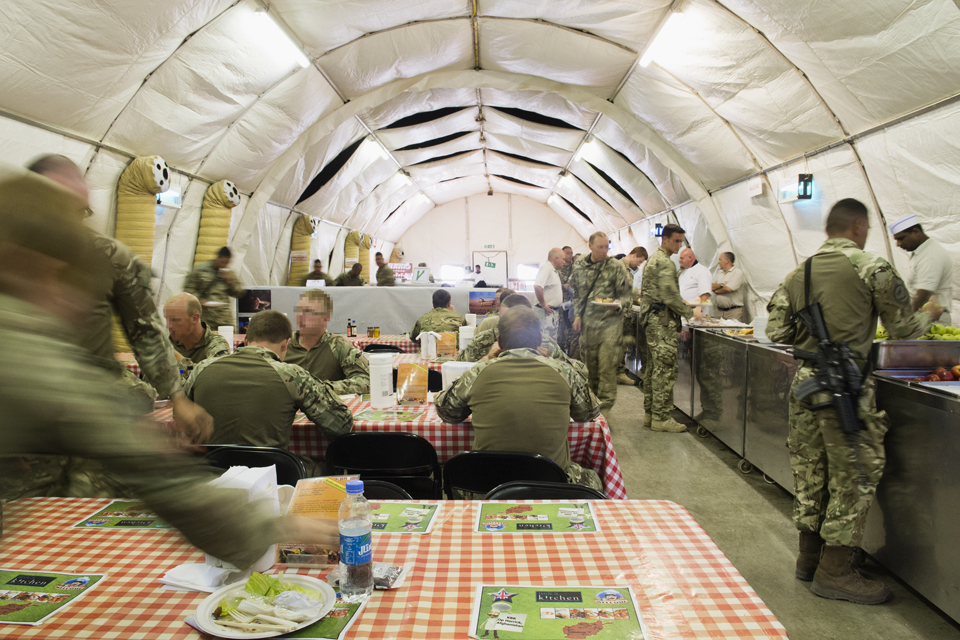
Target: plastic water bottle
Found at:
356, 552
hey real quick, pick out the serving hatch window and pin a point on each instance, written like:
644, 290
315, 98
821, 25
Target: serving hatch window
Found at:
452, 272
527, 271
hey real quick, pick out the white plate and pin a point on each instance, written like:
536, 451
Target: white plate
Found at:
699, 304
204, 614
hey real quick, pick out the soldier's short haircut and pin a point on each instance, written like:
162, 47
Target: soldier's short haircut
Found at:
519, 329
844, 214
732, 258
441, 299
192, 304
52, 163
566, 247
378, 255
595, 235
317, 295
356, 265
317, 261
224, 253
670, 229
504, 290
515, 300
639, 251
269, 326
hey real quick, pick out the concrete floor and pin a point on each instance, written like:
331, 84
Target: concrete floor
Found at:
750, 522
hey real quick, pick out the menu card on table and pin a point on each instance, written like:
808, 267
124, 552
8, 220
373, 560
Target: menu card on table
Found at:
317, 498
556, 613
334, 625
554, 517
403, 517
123, 514
30, 597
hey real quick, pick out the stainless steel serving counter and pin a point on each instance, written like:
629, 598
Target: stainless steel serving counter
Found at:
720, 385
769, 376
683, 389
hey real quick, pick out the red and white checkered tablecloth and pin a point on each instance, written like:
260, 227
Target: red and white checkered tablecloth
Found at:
404, 342
401, 358
590, 443
129, 361
685, 586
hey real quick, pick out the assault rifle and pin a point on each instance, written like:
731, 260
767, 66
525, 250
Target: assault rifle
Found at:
837, 372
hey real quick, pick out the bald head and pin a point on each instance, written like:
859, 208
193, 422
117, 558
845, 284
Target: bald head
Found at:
182, 312
555, 257
61, 169
519, 328
515, 300
687, 258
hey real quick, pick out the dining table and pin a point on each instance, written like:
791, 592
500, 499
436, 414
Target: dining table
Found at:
682, 584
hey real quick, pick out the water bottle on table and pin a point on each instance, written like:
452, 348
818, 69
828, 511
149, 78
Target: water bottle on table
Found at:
356, 552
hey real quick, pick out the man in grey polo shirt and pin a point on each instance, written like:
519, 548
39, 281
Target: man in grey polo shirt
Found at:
727, 289
931, 268
549, 292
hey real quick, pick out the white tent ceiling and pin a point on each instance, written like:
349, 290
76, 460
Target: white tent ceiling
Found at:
530, 89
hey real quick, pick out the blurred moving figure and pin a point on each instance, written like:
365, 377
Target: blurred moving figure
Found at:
214, 284
385, 277
351, 278
122, 286
56, 403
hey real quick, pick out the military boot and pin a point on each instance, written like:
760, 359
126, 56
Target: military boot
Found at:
837, 579
810, 545
648, 421
623, 378
669, 425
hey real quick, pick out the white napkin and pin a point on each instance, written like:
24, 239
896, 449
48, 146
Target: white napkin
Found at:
261, 484
201, 577
428, 343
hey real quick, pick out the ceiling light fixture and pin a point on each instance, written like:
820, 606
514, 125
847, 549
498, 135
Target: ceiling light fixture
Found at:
667, 33
274, 36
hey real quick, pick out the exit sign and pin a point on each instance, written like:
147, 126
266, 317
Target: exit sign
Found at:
492, 265
489, 246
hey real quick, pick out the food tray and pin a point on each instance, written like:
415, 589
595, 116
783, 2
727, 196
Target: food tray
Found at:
916, 354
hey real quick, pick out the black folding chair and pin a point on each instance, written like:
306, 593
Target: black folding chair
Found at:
289, 467
380, 490
480, 472
526, 490
405, 459
375, 347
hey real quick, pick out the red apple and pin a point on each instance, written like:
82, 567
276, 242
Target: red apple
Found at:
939, 371
921, 379
946, 376
932, 378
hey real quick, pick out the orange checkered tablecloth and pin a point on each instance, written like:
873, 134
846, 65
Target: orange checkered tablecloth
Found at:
404, 342
685, 586
590, 443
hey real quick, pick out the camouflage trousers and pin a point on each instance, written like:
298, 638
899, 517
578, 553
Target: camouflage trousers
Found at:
568, 340
831, 495
218, 317
661, 360
601, 348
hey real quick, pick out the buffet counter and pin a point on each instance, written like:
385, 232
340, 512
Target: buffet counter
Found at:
740, 389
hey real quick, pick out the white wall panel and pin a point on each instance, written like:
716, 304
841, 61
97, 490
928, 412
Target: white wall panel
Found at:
21, 143
265, 242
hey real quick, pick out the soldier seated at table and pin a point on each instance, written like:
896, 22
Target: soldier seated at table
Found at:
442, 318
327, 356
490, 320
253, 395
193, 341
351, 278
483, 341
521, 400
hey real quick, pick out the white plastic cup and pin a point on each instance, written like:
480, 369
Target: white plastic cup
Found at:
466, 335
227, 332
471, 319
381, 380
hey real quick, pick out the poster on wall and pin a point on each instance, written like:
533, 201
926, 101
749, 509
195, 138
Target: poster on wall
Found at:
402, 271
299, 257
482, 302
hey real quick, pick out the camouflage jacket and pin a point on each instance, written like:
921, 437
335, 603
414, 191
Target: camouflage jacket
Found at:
385, 277
440, 319
326, 277
347, 280
314, 397
607, 279
57, 404
210, 345
481, 343
565, 272
851, 300
123, 287
206, 283
334, 359
453, 404
661, 286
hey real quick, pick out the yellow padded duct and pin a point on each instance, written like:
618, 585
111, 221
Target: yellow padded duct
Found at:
397, 255
300, 241
218, 204
356, 248
137, 191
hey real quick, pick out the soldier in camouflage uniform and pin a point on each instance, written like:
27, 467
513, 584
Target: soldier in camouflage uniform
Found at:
182, 312
385, 277
119, 283
253, 395
57, 403
661, 308
565, 336
351, 278
632, 262
326, 355
318, 274
442, 318
522, 387
600, 327
213, 285
834, 482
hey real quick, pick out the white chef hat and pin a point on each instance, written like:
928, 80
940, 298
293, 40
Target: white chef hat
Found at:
904, 223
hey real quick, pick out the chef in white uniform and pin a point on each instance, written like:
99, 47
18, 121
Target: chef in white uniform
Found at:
931, 267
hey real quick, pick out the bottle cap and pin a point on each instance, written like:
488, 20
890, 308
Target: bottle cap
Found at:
354, 486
